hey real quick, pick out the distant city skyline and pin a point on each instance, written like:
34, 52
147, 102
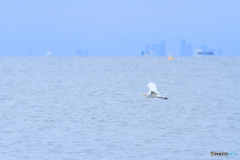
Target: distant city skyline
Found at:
186, 49
118, 28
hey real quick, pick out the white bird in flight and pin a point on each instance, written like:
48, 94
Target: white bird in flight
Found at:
153, 93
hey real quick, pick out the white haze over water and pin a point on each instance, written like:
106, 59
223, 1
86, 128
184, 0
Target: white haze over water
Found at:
72, 108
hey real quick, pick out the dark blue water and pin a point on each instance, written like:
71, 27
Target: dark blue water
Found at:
91, 108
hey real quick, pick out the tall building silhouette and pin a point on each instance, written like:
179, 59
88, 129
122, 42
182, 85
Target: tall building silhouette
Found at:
159, 49
186, 48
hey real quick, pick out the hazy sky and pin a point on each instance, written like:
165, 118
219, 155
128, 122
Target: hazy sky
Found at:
117, 27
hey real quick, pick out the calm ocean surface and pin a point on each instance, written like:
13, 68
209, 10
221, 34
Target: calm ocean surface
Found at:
91, 108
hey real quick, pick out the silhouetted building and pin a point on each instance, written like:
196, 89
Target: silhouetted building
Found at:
185, 48
156, 49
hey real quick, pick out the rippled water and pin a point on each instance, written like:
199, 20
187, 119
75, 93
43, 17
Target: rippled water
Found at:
91, 108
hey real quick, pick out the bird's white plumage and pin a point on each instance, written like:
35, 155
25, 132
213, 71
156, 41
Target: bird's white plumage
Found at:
153, 90
152, 87
153, 93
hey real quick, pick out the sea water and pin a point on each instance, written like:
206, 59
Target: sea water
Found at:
91, 108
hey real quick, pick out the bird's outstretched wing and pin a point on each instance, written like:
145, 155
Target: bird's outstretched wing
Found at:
152, 87
152, 93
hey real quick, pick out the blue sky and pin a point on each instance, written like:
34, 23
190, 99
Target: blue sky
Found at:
117, 27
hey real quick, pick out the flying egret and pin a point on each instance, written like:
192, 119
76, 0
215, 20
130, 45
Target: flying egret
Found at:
153, 93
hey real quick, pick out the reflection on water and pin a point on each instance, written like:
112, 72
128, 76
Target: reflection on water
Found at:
71, 108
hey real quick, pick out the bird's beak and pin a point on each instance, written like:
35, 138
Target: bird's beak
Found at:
144, 95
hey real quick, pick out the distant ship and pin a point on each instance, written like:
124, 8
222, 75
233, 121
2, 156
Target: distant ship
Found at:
203, 53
